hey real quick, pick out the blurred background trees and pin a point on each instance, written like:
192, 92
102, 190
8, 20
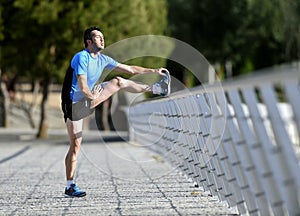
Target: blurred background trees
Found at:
38, 38
238, 36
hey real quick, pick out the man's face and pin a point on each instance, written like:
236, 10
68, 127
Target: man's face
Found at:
98, 40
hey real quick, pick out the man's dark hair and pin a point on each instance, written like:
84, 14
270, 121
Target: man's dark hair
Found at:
88, 34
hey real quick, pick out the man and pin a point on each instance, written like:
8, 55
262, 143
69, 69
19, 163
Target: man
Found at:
80, 94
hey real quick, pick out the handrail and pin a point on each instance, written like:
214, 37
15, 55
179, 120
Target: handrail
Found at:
238, 139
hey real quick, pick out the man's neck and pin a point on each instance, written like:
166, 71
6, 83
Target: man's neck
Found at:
94, 53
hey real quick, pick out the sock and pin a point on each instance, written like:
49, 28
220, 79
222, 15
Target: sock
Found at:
69, 182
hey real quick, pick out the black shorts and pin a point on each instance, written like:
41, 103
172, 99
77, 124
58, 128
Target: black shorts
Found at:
78, 110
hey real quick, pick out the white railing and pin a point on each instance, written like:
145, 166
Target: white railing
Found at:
238, 140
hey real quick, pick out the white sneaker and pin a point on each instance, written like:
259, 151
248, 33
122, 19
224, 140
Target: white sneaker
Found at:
163, 87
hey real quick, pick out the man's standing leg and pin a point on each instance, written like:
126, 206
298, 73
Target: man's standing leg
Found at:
75, 137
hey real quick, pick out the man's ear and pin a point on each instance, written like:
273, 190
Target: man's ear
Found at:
89, 41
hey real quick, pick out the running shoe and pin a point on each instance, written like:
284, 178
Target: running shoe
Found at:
74, 191
163, 87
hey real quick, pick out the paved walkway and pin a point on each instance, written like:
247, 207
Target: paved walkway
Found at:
120, 178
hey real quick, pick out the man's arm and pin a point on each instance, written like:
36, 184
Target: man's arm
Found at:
82, 81
132, 69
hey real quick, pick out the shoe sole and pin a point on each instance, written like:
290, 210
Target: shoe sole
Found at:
66, 195
167, 80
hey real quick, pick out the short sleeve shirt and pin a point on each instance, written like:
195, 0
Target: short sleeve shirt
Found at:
84, 64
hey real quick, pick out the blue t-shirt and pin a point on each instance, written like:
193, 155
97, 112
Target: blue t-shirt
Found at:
84, 64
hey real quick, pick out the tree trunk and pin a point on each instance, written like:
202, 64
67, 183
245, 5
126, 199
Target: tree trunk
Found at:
4, 103
102, 115
29, 108
105, 115
43, 127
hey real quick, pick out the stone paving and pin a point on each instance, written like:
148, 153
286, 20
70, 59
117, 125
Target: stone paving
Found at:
120, 178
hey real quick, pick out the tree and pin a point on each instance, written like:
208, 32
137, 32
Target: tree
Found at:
266, 32
251, 34
212, 27
292, 30
41, 36
1, 25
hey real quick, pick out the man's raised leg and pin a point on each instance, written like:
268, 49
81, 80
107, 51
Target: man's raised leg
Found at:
116, 84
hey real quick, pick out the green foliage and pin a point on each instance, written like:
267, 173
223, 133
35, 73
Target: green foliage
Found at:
292, 30
252, 34
1, 24
40, 37
207, 25
1, 31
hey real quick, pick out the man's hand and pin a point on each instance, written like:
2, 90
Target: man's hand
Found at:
97, 91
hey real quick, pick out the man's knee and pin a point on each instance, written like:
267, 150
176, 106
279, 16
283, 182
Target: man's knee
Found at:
120, 82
